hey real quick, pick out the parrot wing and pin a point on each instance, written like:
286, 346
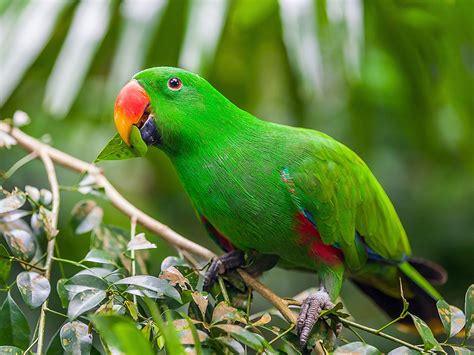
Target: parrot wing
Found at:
349, 207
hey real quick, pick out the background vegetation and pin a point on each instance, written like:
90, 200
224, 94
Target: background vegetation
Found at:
391, 79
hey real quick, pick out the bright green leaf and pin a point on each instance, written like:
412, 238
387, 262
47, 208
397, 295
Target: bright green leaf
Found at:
75, 338
5, 265
62, 292
34, 288
122, 334
14, 328
357, 348
426, 334
137, 144
116, 149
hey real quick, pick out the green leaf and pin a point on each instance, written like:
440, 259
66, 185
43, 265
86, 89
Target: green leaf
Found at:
403, 350
34, 288
14, 328
84, 301
460, 350
469, 310
21, 243
426, 334
82, 282
246, 337
75, 338
122, 334
116, 149
13, 201
357, 348
5, 265
452, 317
167, 330
86, 216
99, 256
161, 287
132, 309
10, 350
62, 292
230, 343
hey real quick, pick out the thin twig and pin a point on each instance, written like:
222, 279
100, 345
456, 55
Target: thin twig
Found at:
18, 260
23, 161
53, 182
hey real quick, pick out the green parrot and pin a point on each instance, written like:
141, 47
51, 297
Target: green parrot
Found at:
295, 196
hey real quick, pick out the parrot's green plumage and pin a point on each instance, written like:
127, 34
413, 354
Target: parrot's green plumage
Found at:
291, 192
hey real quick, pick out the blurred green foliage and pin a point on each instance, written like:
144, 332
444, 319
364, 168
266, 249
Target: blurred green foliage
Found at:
403, 101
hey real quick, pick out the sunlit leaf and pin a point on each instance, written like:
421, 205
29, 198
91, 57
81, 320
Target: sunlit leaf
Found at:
469, 310
86, 216
10, 350
139, 242
99, 256
171, 261
357, 348
132, 309
14, 328
21, 243
75, 338
34, 288
12, 201
84, 301
426, 334
186, 336
162, 287
452, 317
122, 334
5, 265
116, 149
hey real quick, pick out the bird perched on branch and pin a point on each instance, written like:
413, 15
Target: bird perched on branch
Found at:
296, 196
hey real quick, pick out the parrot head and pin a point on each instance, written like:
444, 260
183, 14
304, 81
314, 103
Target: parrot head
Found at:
172, 108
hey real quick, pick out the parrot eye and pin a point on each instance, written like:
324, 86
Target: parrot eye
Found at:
174, 84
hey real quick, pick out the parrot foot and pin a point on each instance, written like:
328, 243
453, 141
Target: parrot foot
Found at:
221, 265
309, 314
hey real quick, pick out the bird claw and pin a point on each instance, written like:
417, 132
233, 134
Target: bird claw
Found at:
310, 312
221, 265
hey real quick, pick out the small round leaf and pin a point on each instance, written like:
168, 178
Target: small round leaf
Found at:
75, 338
34, 288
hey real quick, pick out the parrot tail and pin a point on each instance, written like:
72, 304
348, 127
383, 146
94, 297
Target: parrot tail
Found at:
420, 275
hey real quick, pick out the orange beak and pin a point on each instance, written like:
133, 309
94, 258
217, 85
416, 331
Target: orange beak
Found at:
130, 106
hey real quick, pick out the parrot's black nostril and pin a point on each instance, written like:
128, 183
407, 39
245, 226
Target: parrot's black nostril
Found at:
149, 132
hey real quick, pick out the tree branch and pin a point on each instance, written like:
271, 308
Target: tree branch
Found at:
53, 182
